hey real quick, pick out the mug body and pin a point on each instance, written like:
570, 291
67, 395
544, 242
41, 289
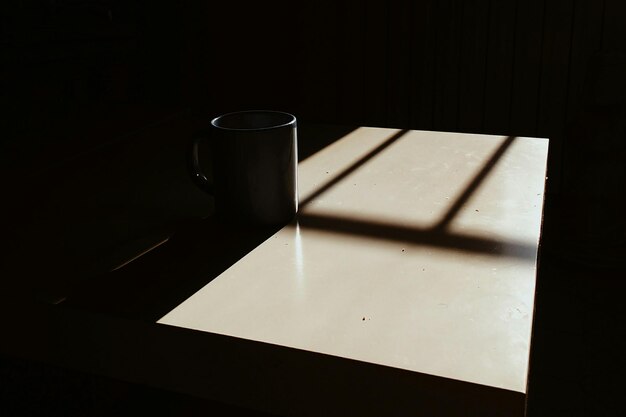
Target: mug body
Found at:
255, 159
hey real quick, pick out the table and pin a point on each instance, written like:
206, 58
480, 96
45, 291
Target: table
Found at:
409, 274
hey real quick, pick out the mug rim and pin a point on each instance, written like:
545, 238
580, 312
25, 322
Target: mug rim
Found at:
292, 120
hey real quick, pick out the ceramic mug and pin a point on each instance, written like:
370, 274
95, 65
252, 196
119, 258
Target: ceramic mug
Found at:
254, 166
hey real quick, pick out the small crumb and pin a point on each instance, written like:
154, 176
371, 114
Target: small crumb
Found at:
423, 269
363, 318
476, 210
402, 249
327, 172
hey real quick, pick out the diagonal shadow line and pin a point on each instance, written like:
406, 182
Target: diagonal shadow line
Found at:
474, 184
436, 235
349, 170
416, 235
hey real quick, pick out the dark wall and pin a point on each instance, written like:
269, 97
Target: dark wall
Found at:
80, 73
533, 67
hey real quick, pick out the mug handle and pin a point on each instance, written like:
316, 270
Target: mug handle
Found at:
193, 163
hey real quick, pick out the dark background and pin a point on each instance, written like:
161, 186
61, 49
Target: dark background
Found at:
535, 68
80, 75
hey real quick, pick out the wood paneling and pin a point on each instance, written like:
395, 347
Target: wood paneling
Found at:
587, 24
472, 65
614, 26
399, 64
376, 39
557, 34
351, 62
499, 69
422, 64
527, 67
317, 74
447, 14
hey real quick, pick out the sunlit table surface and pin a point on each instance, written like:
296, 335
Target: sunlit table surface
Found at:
412, 250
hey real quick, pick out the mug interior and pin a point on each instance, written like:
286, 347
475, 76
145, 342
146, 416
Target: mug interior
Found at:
253, 120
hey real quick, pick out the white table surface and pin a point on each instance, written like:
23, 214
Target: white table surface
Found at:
386, 266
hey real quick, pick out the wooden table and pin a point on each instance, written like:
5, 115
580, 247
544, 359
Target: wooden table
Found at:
406, 284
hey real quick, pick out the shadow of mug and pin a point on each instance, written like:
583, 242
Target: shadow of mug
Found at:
254, 157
